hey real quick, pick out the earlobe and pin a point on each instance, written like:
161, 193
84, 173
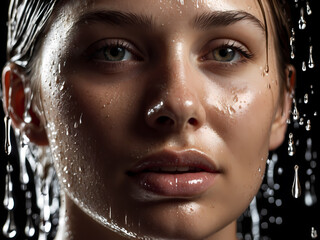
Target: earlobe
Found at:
13, 82
279, 125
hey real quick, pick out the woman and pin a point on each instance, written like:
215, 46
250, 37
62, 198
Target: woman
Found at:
159, 115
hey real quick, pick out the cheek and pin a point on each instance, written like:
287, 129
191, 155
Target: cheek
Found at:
242, 119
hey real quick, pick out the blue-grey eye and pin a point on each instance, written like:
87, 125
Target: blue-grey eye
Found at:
116, 54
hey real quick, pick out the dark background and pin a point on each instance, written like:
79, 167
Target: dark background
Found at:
292, 219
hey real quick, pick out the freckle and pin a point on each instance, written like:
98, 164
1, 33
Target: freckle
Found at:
240, 106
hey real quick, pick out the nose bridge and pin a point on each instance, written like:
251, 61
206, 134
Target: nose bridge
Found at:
177, 104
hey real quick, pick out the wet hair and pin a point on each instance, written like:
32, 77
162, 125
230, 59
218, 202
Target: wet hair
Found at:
281, 18
27, 20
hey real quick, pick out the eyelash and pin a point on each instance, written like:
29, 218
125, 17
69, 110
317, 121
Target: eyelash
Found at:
96, 54
245, 54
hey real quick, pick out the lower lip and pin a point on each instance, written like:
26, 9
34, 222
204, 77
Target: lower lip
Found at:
175, 185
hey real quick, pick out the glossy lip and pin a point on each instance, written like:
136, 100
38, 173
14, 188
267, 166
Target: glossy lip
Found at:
147, 175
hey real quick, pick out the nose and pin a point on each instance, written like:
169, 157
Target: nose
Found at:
177, 104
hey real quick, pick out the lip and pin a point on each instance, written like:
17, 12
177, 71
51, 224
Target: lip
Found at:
195, 173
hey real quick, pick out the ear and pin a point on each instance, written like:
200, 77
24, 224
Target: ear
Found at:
279, 125
13, 79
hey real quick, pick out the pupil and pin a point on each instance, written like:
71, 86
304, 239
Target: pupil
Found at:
225, 52
115, 51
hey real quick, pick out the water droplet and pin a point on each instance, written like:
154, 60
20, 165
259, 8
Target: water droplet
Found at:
80, 120
306, 98
9, 229
266, 70
29, 229
288, 121
301, 122
75, 125
296, 188
59, 68
255, 218
291, 147
308, 126
7, 144
62, 86
8, 200
310, 62
24, 177
314, 233
309, 11
304, 66
295, 112
292, 43
231, 110
302, 22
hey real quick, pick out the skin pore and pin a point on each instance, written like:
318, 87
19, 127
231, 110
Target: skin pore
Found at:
122, 81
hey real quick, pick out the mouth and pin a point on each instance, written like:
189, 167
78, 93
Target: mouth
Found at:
174, 174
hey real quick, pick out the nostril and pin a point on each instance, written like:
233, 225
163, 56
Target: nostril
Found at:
193, 121
164, 120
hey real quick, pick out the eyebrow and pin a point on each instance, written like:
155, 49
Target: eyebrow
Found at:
225, 18
117, 18
203, 22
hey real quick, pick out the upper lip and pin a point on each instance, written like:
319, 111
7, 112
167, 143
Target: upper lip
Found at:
193, 159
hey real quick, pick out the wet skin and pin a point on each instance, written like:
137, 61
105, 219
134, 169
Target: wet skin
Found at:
117, 89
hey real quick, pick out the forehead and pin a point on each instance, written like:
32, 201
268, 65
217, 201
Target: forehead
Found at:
166, 11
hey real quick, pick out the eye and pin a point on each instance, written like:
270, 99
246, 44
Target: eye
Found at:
116, 54
113, 51
225, 54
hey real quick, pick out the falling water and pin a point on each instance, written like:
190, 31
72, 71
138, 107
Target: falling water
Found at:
292, 43
309, 11
29, 229
8, 200
310, 62
255, 219
308, 126
314, 233
295, 112
304, 66
7, 142
9, 228
24, 177
306, 98
291, 147
296, 188
302, 22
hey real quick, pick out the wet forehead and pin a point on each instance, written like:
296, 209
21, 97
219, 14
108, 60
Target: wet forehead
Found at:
166, 11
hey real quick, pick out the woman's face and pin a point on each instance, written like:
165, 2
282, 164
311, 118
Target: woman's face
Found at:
158, 113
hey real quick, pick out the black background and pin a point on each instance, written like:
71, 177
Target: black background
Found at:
297, 218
